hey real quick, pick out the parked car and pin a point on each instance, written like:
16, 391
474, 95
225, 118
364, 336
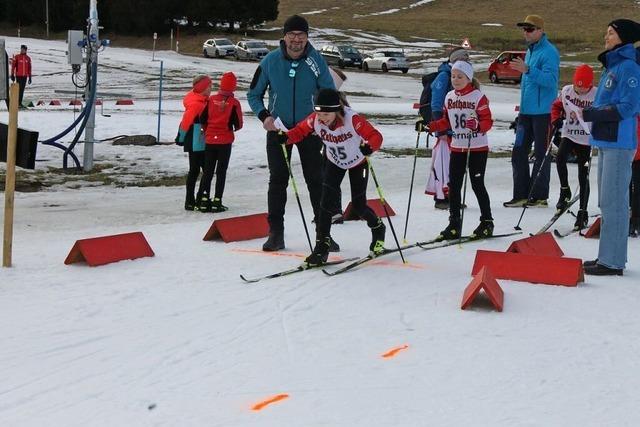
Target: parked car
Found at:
251, 50
385, 61
342, 55
500, 68
218, 48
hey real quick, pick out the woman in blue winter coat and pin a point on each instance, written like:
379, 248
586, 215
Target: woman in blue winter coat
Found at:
613, 132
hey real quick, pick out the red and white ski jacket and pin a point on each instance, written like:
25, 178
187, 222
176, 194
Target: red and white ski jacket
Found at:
568, 105
458, 107
21, 65
222, 117
342, 138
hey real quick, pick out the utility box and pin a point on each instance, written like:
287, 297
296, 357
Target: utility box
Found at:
4, 65
75, 43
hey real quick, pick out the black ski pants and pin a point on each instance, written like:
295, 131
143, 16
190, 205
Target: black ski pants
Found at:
477, 167
312, 163
583, 155
333, 176
216, 158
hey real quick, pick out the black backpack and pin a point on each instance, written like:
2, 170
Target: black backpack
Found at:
425, 96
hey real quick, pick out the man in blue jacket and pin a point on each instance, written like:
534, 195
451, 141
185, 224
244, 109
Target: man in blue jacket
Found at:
291, 74
538, 89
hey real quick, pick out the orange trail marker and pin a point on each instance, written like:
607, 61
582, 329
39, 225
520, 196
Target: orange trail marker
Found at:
264, 403
391, 353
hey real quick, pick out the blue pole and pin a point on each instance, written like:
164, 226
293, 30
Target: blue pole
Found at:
160, 101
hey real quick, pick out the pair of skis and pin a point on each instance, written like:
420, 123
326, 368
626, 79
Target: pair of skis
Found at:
355, 262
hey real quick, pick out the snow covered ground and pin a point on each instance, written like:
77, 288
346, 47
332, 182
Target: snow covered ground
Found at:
179, 340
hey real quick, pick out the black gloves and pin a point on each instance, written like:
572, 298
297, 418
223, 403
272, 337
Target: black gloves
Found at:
366, 149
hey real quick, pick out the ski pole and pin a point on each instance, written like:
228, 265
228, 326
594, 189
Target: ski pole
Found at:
413, 173
295, 190
535, 180
464, 191
384, 206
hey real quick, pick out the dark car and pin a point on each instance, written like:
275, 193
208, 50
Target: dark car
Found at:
500, 68
342, 55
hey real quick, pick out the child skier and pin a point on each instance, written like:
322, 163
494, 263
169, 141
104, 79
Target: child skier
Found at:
575, 137
467, 113
222, 117
191, 133
348, 139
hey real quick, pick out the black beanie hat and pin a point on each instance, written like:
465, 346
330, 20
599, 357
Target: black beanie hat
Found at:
628, 30
327, 100
296, 23
23, 46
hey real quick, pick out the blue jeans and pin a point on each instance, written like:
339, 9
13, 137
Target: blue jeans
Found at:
614, 176
532, 129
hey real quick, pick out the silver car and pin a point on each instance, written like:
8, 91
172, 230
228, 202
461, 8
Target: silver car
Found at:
251, 50
385, 61
218, 48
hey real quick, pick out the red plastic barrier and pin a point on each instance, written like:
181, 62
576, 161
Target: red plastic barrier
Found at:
541, 244
483, 280
594, 231
124, 102
41, 102
75, 102
108, 249
55, 102
239, 228
375, 204
549, 270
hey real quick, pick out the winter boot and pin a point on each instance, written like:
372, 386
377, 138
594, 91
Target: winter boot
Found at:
275, 242
452, 231
634, 227
320, 252
203, 203
485, 229
377, 237
442, 204
217, 206
337, 218
565, 196
581, 219
190, 203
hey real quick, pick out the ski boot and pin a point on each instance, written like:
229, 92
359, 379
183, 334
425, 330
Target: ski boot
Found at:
485, 229
442, 204
217, 206
582, 219
565, 196
377, 237
333, 245
452, 231
203, 203
275, 242
190, 203
320, 252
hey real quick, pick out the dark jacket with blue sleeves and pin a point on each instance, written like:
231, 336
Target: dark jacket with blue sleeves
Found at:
539, 85
291, 83
617, 101
440, 86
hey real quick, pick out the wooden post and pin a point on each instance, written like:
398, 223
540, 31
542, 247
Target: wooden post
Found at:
10, 181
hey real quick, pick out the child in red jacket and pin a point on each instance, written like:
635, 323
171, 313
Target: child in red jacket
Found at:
467, 114
222, 117
191, 133
349, 139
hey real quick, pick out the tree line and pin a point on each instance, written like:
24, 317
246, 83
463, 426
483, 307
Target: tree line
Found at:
140, 16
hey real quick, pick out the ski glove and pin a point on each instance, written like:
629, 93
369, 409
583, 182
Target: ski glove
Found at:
29, 80
471, 123
294, 136
366, 149
420, 126
13, 78
557, 123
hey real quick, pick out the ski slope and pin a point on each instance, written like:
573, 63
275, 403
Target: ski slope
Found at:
179, 340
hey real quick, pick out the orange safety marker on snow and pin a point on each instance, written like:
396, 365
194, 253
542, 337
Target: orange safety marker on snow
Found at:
261, 405
374, 204
594, 230
391, 353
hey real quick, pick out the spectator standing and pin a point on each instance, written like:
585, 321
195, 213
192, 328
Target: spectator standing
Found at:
538, 89
292, 74
614, 133
21, 71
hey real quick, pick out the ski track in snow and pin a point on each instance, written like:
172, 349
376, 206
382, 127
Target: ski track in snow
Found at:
181, 334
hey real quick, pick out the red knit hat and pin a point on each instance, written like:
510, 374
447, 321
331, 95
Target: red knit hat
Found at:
583, 76
228, 82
